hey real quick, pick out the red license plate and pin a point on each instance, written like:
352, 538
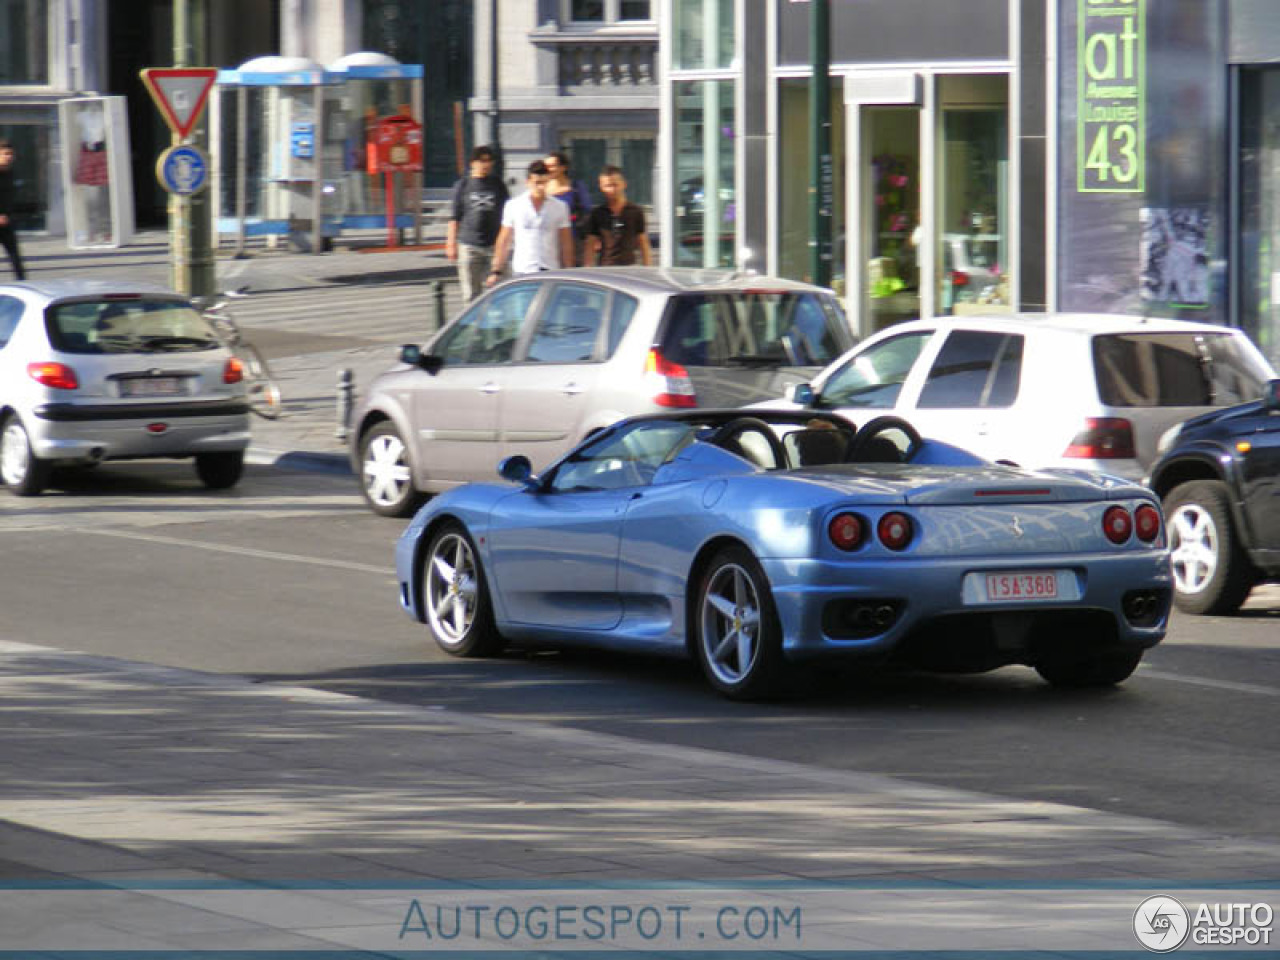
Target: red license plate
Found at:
1023, 585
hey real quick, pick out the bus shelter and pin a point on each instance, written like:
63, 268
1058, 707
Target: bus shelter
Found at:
290, 149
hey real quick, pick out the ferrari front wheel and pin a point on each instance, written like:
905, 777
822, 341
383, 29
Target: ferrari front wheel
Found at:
737, 634
456, 597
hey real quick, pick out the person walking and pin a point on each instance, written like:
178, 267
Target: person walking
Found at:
535, 230
573, 194
8, 205
474, 221
616, 234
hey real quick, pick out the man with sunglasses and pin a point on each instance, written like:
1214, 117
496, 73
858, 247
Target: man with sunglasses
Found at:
616, 232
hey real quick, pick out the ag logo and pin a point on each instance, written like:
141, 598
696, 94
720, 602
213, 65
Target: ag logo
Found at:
1161, 924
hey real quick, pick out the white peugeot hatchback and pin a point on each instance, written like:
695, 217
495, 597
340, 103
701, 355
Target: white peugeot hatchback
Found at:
93, 371
1093, 392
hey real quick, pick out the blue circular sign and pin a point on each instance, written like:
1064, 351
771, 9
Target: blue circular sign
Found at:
183, 170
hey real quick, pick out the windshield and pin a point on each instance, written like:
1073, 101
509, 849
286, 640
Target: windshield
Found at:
771, 328
128, 326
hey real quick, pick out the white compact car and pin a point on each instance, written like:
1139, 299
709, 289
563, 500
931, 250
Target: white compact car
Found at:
92, 371
1093, 392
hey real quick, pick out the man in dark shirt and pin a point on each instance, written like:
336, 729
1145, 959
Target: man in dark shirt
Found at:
8, 235
616, 233
474, 218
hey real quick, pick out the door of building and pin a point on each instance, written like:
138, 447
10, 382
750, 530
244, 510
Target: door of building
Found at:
1257, 293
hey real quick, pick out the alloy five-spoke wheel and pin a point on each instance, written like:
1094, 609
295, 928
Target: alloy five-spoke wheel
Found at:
1211, 572
455, 596
738, 638
385, 473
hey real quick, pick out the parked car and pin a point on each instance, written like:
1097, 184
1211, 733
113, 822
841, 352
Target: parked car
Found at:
540, 362
99, 370
1219, 476
751, 540
1045, 390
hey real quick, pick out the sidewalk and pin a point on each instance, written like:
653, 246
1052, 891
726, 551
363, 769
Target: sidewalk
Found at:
305, 435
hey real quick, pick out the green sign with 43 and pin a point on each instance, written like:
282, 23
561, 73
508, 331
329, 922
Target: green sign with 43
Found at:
1111, 96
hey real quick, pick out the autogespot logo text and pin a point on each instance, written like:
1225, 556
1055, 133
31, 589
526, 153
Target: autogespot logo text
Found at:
1161, 924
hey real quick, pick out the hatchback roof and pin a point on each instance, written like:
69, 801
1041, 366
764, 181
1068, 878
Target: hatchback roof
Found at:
641, 280
65, 288
1087, 323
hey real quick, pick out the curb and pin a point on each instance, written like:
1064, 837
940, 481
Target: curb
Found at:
310, 461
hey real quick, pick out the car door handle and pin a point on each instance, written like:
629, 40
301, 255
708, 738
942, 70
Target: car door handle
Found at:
490, 387
572, 389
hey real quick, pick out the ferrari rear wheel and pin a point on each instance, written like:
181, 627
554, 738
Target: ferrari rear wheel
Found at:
739, 640
1096, 670
456, 597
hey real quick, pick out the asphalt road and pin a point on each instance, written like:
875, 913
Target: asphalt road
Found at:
289, 578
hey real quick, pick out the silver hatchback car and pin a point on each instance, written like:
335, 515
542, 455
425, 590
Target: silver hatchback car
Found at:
540, 362
92, 371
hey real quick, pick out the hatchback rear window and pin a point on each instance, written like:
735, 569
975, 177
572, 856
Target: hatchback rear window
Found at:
1176, 370
753, 327
128, 326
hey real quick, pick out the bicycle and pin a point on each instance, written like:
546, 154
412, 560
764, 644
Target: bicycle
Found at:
260, 386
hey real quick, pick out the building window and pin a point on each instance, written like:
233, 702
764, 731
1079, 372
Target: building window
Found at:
973, 224
24, 43
704, 34
608, 11
706, 210
634, 153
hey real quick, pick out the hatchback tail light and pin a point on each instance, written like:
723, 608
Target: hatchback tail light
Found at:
669, 382
959, 278
1103, 438
1146, 523
1117, 524
233, 370
895, 530
56, 375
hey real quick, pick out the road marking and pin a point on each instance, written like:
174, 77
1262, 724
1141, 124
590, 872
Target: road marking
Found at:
248, 552
1215, 684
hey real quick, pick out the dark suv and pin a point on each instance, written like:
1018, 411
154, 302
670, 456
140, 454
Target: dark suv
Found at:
1219, 477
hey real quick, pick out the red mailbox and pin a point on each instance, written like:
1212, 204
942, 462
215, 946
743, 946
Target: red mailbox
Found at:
395, 146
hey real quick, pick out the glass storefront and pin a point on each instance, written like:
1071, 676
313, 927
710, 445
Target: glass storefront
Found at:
891, 137
705, 171
24, 43
1259, 246
33, 170
793, 182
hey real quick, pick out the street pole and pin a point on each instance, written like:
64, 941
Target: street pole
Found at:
190, 221
821, 167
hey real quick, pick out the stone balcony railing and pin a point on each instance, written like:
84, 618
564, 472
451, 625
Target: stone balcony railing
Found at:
599, 62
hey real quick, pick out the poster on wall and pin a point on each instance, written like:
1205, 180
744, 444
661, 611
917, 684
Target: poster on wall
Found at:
1111, 91
1175, 256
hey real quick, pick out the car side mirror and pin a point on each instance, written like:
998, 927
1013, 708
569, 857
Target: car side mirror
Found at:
1271, 395
411, 354
519, 470
801, 393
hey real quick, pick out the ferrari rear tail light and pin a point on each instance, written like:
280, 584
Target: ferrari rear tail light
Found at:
669, 382
233, 370
1117, 524
56, 375
1146, 523
895, 530
1103, 438
845, 530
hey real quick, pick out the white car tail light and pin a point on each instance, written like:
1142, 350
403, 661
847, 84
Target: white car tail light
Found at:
668, 382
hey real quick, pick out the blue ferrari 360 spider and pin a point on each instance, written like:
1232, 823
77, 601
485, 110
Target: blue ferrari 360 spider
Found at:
756, 541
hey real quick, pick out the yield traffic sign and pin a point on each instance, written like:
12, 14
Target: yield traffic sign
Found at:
180, 93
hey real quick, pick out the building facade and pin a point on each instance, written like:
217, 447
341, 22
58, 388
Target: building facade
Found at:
989, 155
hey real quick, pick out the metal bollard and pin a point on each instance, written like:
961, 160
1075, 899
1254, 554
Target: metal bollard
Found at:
437, 300
346, 401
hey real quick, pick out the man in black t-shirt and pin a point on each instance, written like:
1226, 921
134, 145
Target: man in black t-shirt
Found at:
474, 219
616, 232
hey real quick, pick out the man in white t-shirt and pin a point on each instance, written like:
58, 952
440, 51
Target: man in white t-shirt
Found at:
535, 230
